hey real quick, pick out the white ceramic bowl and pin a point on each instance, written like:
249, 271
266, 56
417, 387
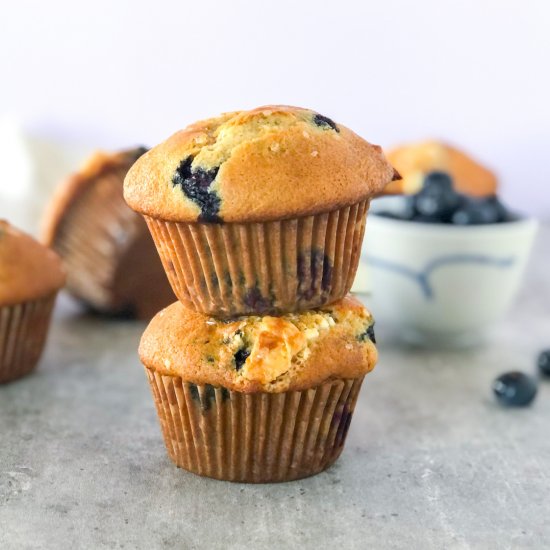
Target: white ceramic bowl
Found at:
444, 285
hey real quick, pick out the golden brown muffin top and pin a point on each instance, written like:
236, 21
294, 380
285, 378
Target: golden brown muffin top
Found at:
99, 165
270, 354
269, 163
28, 270
415, 160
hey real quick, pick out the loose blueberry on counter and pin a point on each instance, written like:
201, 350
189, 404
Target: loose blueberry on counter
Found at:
195, 184
437, 200
321, 120
543, 362
515, 389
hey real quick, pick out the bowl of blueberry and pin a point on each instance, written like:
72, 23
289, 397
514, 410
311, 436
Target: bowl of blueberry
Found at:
444, 266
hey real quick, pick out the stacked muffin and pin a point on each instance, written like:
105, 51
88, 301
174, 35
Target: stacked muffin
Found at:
258, 217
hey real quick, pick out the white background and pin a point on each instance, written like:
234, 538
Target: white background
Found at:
114, 74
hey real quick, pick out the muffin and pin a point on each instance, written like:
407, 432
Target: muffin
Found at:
414, 161
259, 211
111, 260
30, 278
258, 398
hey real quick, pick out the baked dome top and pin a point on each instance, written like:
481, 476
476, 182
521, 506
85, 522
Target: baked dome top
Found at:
28, 270
270, 354
273, 162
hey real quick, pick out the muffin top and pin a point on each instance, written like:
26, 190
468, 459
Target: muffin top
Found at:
28, 270
269, 163
415, 160
100, 165
269, 354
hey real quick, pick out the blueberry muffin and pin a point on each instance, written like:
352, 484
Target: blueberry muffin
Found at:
30, 278
416, 160
112, 263
259, 211
258, 398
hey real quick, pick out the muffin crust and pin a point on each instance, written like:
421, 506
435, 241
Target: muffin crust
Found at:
28, 270
273, 162
270, 354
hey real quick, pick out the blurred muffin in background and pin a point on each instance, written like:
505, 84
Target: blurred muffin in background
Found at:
415, 160
30, 278
111, 261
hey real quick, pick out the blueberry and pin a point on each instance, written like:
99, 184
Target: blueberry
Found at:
320, 267
435, 204
209, 395
368, 334
196, 184
437, 180
544, 362
480, 212
321, 120
343, 420
256, 301
437, 199
408, 209
503, 215
240, 357
515, 389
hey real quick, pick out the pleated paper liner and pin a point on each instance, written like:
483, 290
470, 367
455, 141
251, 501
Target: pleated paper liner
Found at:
257, 268
256, 437
110, 258
23, 332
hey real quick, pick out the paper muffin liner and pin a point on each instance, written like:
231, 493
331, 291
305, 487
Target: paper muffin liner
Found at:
257, 268
255, 437
23, 332
110, 258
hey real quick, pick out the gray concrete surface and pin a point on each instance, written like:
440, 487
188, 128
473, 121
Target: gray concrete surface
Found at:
431, 461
